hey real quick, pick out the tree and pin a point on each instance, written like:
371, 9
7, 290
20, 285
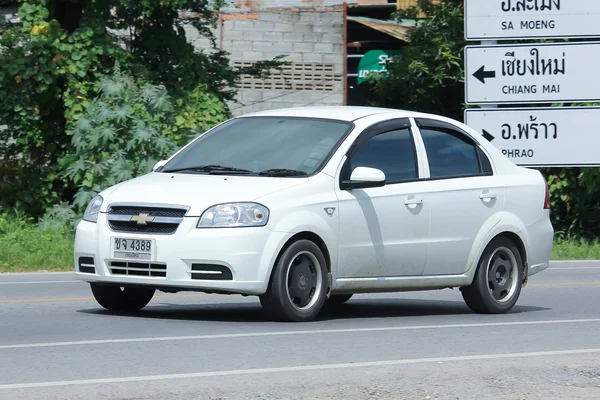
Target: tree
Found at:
50, 66
428, 75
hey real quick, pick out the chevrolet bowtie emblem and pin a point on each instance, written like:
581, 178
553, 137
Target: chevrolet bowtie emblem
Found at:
142, 219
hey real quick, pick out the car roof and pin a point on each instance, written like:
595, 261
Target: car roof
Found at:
342, 113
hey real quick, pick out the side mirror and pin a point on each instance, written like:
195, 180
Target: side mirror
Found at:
159, 165
363, 178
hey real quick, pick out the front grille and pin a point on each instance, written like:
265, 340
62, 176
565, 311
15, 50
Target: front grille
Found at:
211, 272
138, 269
153, 211
86, 264
141, 218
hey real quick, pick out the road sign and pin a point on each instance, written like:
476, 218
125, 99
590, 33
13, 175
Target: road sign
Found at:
532, 73
531, 19
550, 136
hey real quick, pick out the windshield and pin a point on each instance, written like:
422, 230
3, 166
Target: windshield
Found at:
276, 146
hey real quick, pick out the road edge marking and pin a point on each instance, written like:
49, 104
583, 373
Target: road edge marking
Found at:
317, 367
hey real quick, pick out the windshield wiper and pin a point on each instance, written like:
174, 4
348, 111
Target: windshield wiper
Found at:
211, 169
282, 172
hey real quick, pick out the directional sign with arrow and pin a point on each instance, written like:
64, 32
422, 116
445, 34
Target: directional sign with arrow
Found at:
532, 73
482, 74
550, 136
488, 136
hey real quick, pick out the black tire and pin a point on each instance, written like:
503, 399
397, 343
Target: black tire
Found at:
338, 299
115, 298
298, 286
498, 280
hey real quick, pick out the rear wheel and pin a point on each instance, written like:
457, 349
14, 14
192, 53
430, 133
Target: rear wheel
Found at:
115, 298
298, 285
498, 280
338, 299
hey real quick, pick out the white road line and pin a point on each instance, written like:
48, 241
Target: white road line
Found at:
290, 333
30, 282
571, 268
238, 372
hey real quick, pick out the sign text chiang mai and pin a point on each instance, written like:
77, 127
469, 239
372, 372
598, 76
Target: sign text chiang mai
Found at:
531, 19
532, 73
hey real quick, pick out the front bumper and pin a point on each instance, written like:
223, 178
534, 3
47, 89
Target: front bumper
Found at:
249, 253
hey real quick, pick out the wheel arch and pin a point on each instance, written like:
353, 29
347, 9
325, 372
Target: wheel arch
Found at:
513, 237
516, 239
305, 235
502, 224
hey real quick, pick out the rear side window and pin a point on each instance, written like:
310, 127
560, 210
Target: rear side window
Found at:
451, 154
392, 152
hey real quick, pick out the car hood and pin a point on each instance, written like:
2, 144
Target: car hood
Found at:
194, 190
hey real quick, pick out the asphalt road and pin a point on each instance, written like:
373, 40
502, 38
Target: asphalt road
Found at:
57, 343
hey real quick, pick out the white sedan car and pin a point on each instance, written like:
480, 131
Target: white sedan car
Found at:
306, 206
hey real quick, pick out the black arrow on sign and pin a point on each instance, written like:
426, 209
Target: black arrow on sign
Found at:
482, 74
488, 136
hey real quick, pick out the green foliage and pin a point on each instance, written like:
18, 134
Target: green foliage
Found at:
24, 246
127, 127
575, 201
428, 75
52, 63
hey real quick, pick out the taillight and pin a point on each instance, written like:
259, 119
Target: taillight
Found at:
547, 199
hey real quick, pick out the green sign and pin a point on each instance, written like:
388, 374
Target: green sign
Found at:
374, 61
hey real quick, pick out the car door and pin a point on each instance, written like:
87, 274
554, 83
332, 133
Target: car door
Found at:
384, 231
465, 196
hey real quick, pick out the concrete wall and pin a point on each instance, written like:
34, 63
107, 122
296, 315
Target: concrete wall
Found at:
311, 39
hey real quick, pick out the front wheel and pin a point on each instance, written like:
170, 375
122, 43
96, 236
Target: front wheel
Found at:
115, 298
498, 280
298, 286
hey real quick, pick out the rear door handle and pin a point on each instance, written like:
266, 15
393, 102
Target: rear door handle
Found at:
487, 196
413, 202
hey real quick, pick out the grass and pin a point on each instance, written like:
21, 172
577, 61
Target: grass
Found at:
26, 247
576, 250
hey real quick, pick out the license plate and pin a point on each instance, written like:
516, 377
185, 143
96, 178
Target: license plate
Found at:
133, 249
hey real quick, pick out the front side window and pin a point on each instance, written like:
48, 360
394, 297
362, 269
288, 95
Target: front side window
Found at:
450, 154
392, 152
282, 145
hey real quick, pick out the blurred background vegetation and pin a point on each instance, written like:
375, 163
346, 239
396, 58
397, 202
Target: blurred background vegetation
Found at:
96, 91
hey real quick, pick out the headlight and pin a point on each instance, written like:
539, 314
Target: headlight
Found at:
234, 215
93, 209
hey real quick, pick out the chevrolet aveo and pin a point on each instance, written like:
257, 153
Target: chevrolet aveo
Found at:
308, 206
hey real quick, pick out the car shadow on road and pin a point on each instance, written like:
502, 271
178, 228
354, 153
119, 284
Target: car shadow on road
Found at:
355, 309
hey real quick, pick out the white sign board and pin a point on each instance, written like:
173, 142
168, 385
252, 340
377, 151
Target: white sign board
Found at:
531, 19
542, 136
532, 73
